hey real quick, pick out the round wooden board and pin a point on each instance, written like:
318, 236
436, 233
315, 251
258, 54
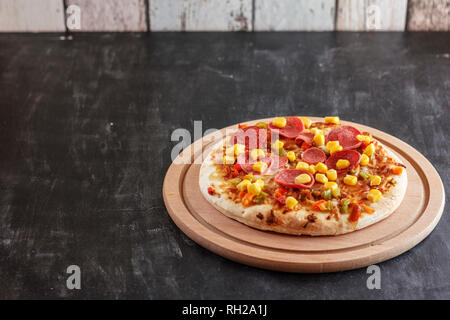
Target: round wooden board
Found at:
411, 222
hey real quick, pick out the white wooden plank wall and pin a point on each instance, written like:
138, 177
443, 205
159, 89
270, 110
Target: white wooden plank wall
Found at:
371, 15
298, 15
201, 15
111, 15
227, 15
32, 16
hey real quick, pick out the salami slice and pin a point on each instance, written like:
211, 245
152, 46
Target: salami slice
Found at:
314, 156
346, 135
252, 137
286, 178
277, 163
351, 155
246, 162
307, 137
294, 126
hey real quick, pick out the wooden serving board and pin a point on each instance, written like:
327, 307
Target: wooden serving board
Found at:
414, 219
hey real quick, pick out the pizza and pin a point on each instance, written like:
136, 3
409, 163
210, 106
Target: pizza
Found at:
295, 176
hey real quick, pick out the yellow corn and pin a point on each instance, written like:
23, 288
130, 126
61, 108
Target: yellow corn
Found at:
257, 153
254, 188
364, 160
342, 164
319, 139
302, 165
332, 174
291, 202
333, 146
259, 166
312, 169
291, 156
321, 178
369, 150
330, 185
375, 180
238, 149
277, 145
350, 180
249, 177
363, 138
260, 182
321, 167
316, 131
306, 121
242, 186
374, 195
302, 178
334, 120
228, 160
279, 122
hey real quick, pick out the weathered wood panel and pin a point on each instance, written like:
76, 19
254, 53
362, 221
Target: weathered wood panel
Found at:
112, 15
294, 15
371, 15
200, 15
433, 15
35, 16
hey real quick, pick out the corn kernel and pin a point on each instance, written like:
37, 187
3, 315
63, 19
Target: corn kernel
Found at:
259, 166
260, 182
330, 185
319, 139
321, 178
249, 177
242, 186
363, 138
374, 195
375, 180
277, 145
321, 167
350, 180
332, 174
291, 156
291, 202
306, 121
342, 164
334, 120
312, 169
228, 160
369, 150
254, 188
316, 131
333, 146
302, 165
229, 151
302, 178
336, 192
238, 149
257, 153
364, 160
279, 122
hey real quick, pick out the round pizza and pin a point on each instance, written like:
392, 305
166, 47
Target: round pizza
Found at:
295, 176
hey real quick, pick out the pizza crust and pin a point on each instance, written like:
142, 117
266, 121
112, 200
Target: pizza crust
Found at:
298, 222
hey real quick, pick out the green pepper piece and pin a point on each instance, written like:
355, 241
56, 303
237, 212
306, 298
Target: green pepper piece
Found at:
282, 152
364, 175
260, 197
235, 180
326, 194
344, 205
261, 125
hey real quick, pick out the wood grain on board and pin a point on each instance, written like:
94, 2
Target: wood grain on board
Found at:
112, 15
433, 15
32, 16
200, 15
371, 15
289, 15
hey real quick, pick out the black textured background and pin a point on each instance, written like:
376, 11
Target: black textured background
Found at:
85, 130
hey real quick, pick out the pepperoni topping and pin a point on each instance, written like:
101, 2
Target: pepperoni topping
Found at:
307, 137
246, 162
346, 135
351, 155
314, 156
294, 126
286, 178
277, 163
252, 137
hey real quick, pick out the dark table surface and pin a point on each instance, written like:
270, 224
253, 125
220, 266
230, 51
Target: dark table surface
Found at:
85, 127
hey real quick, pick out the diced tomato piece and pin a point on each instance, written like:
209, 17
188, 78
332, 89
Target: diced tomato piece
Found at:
282, 191
242, 126
397, 170
238, 167
211, 190
247, 200
316, 205
355, 213
280, 198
